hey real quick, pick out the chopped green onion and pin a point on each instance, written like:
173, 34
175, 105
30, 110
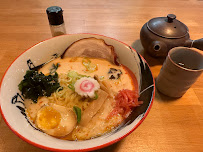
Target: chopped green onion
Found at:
78, 113
73, 77
96, 96
90, 67
101, 77
72, 74
86, 62
69, 79
71, 86
59, 89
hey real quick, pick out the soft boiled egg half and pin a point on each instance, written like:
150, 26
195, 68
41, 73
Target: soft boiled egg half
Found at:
56, 120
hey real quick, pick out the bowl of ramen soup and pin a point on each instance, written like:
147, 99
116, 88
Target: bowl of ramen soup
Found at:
78, 92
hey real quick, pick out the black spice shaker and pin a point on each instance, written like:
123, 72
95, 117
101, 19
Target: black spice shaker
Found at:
56, 22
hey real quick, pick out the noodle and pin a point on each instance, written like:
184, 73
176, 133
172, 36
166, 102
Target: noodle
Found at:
64, 96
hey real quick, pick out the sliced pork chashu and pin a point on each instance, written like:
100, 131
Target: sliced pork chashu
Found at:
93, 48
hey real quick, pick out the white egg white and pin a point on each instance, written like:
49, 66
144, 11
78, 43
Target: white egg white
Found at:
32, 108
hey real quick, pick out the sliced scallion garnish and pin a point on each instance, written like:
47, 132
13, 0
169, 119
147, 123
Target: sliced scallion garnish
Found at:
78, 113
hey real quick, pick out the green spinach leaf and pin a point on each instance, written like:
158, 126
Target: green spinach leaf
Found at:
36, 84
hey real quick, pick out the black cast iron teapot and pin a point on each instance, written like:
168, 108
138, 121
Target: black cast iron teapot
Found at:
161, 34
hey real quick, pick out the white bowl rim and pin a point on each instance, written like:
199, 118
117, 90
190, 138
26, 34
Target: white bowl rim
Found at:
88, 149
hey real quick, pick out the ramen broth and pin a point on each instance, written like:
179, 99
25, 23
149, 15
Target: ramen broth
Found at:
103, 66
100, 123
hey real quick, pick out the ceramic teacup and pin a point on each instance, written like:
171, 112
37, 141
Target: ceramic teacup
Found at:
180, 70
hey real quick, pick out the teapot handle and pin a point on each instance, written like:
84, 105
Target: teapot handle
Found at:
198, 44
195, 43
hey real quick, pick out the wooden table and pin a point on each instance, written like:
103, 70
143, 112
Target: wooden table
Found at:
173, 125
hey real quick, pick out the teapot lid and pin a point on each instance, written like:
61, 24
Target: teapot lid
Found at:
167, 27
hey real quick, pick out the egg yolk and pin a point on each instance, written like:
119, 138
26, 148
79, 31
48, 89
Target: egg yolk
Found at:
49, 118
